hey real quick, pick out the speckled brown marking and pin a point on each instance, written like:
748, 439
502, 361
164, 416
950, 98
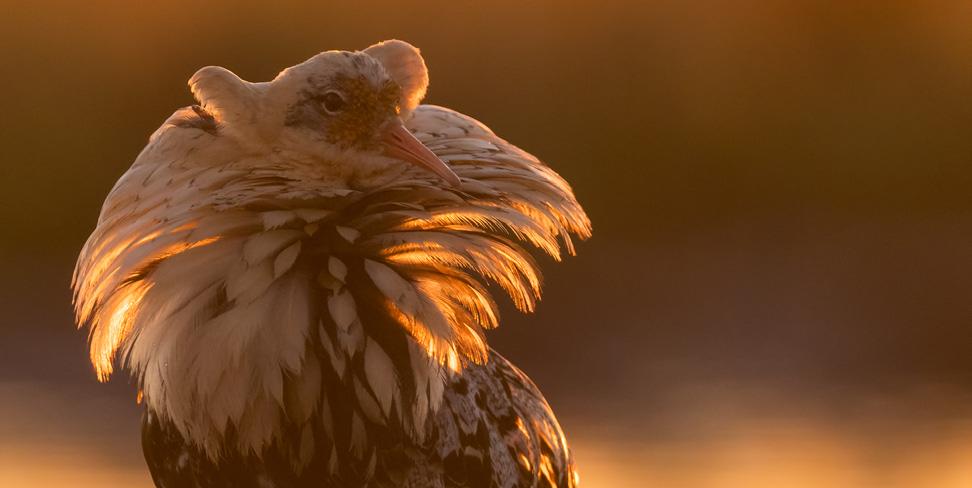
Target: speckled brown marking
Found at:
367, 108
198, 119
357, 124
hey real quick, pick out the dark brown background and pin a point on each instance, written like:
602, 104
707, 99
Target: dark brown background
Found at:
778, 289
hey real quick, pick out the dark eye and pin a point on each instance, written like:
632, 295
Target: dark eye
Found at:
333, 102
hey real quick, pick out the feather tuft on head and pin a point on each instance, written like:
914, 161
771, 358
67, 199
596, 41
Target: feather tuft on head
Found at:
405, 65
222, 93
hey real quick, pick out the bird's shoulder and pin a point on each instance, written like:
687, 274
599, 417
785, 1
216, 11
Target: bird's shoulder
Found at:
190, 137
454, 136
187, 159
434, 122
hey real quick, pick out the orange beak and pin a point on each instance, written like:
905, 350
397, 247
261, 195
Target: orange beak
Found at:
401, 144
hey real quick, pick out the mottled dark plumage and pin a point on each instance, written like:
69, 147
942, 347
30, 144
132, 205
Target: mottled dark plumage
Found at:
492, 411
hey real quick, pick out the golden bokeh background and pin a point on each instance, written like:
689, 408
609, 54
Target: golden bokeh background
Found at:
779, 288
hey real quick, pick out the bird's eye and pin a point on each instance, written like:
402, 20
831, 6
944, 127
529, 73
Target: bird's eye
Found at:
334, 102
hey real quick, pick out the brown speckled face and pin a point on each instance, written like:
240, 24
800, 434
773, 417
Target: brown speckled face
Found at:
347, 111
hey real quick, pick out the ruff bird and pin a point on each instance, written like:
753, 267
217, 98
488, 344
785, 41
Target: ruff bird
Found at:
297, 274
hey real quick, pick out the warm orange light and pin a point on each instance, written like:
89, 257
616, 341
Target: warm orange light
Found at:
115, 318
110, 335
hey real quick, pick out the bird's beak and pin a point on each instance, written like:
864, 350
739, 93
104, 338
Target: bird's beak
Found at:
401, 144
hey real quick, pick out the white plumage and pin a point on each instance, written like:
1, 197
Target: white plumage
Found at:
246, 268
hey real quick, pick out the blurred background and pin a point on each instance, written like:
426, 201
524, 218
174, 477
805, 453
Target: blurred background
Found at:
779, 288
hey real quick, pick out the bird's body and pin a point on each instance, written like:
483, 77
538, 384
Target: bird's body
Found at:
492, 429
302, 308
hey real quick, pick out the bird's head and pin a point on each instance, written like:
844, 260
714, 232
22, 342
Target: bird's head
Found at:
340, 112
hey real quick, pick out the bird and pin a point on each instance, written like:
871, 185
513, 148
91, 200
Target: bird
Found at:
298, 275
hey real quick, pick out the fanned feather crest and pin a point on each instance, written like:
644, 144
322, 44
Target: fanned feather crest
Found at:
194, 253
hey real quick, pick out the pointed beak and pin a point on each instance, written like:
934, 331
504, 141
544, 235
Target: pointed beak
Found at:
401, 144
